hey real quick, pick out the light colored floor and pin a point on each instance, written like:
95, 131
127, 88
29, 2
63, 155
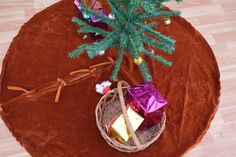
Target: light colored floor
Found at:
215, 19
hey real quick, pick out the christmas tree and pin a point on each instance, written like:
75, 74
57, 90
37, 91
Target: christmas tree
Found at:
130, 32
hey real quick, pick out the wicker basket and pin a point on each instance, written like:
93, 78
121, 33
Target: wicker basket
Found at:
111, 105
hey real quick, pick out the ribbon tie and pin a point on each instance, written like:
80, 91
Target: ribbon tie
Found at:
17, 89
62, 84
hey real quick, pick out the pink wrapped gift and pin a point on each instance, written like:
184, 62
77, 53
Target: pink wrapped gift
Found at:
148, 102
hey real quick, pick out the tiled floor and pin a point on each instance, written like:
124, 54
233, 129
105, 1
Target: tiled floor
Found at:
215, 19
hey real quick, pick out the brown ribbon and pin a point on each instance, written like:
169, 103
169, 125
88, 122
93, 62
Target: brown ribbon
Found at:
62, 84
102, 64
17, 89
92, 68
80, 71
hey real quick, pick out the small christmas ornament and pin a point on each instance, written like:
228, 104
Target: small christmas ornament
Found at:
111, 16
85, 36
152, 51
147, 102
101, 53
167, 21
138, 61
86, 16
118, 129
103, 87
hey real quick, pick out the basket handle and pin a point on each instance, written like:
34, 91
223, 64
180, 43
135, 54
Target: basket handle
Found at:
128, 123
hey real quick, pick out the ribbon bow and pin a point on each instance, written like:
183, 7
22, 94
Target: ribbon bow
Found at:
62, 84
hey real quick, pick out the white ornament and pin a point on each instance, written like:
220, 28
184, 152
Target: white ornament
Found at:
167, 21
152, 51
85, 36
101, 53
111, 16
103, 87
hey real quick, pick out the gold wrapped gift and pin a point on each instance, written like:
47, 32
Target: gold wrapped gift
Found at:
118, 129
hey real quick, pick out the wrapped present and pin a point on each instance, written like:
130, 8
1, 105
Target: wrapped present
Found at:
148, 102
118, 129
95, 5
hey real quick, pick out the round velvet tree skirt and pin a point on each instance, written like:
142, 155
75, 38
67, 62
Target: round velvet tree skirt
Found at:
37, 64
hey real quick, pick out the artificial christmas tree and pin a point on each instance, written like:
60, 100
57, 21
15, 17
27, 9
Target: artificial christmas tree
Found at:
130, 32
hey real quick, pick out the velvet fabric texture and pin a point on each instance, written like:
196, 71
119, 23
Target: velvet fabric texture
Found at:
38, 56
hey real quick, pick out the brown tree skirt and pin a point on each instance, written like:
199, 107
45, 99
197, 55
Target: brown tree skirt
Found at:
38, 56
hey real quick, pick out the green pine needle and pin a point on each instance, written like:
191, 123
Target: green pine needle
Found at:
145, 72
163, 46
158, 58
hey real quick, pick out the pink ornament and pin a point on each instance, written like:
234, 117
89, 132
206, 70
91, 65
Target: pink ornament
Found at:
148, 102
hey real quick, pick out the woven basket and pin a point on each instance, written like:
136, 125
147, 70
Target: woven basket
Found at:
112, 104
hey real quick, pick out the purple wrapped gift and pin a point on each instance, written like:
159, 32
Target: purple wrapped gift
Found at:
148, 102
77, 4
95, 5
